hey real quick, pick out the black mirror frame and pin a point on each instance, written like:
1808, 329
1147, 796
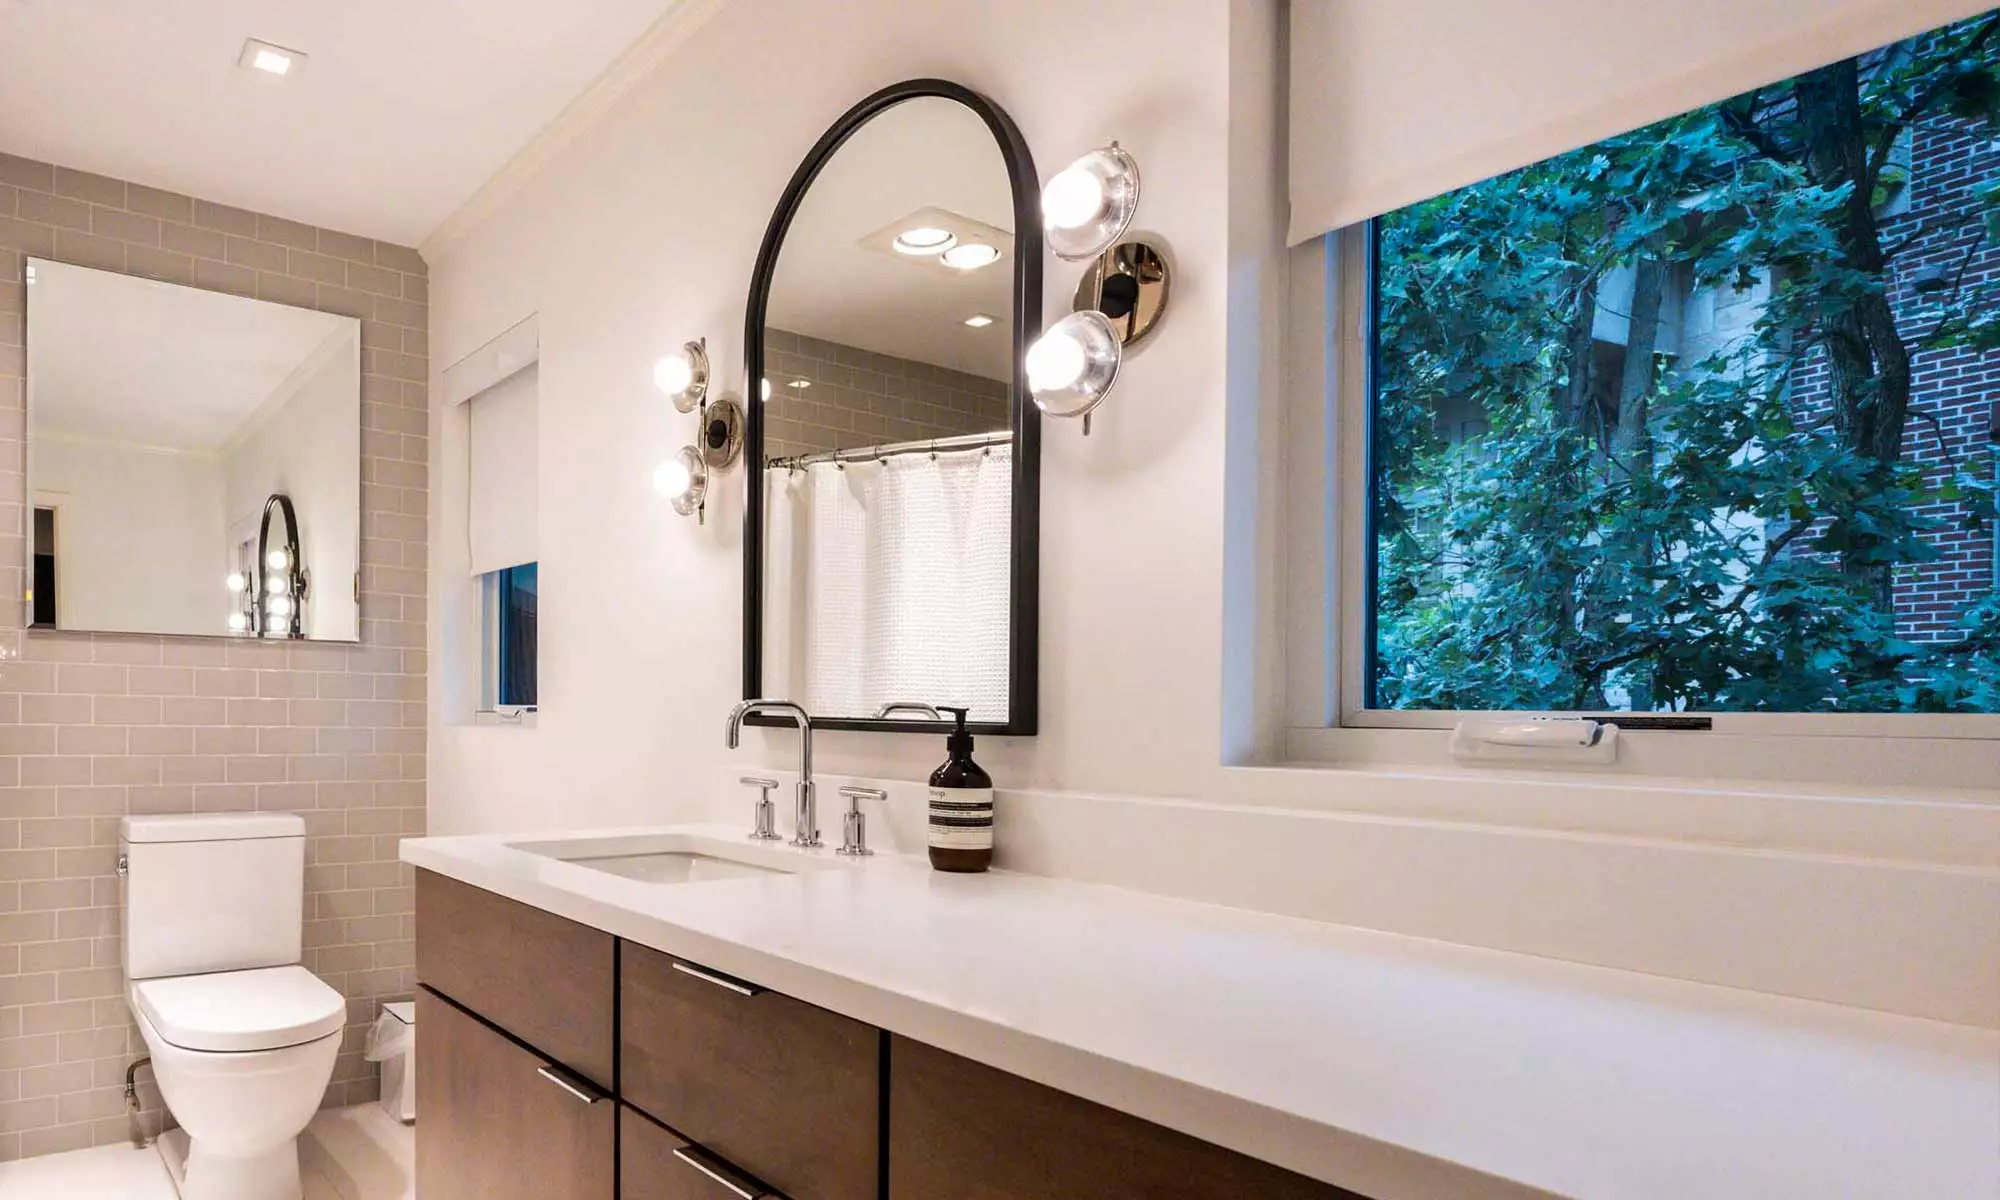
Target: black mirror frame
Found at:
1024, 544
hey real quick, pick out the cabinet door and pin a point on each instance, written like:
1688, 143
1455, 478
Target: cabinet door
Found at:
962, 1131
543, 979
786, 1091
655, 1163
499, 1122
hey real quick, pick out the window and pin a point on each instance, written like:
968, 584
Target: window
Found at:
495, 657
1697, 419
510, 669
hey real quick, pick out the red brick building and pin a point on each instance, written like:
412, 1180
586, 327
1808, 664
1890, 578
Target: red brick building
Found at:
1937, 229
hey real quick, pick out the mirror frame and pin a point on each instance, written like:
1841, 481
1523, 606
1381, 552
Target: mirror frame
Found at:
1024, 571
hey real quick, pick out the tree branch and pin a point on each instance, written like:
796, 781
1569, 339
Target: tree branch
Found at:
1885, 140
1924, 229
1741, 122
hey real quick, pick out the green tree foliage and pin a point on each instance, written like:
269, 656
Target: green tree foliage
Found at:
1684, 535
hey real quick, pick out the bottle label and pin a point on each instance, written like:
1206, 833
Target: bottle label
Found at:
961, 818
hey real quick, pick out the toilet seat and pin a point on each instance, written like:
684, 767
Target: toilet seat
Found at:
269, 1008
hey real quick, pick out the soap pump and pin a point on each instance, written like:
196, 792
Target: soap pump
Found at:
961, 805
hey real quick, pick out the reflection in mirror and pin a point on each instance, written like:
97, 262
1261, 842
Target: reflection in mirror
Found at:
889, 468
164, 423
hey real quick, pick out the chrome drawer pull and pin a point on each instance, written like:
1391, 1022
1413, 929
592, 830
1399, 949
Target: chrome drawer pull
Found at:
581, 1090
721, 981
701, 1160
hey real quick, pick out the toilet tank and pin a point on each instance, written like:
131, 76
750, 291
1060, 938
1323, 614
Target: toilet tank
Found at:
211, 893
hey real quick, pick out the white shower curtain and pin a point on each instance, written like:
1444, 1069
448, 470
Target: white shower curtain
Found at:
888, 581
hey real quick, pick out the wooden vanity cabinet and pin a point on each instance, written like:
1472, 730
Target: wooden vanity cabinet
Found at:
786, 1091
500, 1122
556, 1062
962, 1131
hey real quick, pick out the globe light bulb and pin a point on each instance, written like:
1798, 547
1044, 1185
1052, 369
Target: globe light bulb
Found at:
278, 606
1073, 199
236, 582
1055, 361
672, 479
239, 622
277, 560
674, 374
274, 584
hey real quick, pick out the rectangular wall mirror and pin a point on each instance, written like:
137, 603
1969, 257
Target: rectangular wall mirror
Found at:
194, 460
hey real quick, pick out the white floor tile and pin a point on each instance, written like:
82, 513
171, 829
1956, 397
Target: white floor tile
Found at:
358, 1153
102, 1173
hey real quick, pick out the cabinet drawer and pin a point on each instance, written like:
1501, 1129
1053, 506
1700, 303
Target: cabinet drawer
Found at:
547, 981
503, 1123
964, 1131
654, 1163
786, 1091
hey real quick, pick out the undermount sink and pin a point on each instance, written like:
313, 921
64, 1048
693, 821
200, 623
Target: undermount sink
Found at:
672, 857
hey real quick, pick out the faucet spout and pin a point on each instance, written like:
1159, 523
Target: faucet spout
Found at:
806, 811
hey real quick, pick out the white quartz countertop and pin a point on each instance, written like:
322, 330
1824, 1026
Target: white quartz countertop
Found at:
1401, 1068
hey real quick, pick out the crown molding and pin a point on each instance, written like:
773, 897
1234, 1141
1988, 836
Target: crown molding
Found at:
631, 69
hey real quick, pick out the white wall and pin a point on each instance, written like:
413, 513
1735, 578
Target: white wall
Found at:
1158, 652
309, 448
642, 234
137, 535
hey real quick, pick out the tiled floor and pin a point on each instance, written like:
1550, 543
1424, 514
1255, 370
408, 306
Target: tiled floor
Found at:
103, 1173
351, 1154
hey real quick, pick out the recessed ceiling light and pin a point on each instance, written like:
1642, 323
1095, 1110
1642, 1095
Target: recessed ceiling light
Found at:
979, 320
270, 59
924, 239
971, 256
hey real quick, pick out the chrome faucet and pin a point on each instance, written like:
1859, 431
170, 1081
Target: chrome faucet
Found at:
805, 819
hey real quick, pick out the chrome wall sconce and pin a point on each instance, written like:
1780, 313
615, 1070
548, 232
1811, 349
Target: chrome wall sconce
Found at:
1088, 205
683, 479
1086, 209
683, 375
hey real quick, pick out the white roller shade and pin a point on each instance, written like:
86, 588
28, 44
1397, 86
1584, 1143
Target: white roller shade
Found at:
503, 504
1393, 101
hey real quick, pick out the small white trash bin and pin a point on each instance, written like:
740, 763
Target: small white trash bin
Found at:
392, 1041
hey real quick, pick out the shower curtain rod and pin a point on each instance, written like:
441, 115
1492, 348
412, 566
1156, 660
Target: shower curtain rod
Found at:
965, 441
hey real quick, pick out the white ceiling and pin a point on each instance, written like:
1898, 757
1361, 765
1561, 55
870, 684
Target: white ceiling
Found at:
117, 359
926, 153
405, 108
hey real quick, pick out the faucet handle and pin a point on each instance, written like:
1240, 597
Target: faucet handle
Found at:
765, 827
854, 826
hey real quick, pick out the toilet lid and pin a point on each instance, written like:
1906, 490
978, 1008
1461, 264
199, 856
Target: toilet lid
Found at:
265, 1009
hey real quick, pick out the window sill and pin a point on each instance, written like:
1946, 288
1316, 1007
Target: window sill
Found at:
515, 718
1895, 810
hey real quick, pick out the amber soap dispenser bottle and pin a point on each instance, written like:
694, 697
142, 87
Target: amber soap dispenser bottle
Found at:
961, 806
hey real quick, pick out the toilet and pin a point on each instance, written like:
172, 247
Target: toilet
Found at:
242, 1037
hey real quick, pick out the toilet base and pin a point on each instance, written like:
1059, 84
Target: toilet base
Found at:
199, 1175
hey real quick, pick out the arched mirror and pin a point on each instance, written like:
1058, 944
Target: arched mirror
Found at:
890, 555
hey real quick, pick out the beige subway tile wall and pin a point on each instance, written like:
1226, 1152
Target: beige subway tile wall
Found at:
855, 398
93, 727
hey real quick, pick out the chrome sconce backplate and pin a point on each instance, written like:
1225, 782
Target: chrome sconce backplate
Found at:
1129, 284
721, 441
